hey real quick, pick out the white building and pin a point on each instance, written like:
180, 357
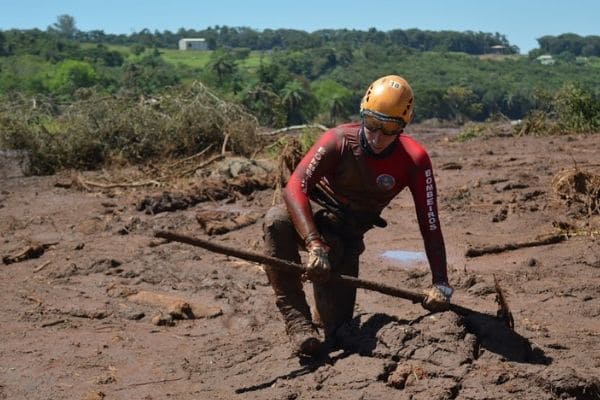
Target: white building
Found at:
546, 59
498, 49
193, 44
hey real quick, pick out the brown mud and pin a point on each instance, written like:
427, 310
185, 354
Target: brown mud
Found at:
94, 307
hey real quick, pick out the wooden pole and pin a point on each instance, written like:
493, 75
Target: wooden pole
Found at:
504, 312
274, 262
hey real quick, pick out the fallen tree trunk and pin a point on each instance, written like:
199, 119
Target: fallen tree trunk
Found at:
552, 239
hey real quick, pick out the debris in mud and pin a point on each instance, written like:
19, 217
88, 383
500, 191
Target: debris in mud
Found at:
579, 189
95, 395
237, 167
81, 313
53, 323
450, 166
134, 315
65, 271
64, 183
220, 222
77, 181
207, 190
107, 266
568, 382
542, 241
532, 262
457, 198
133, 224
170, 202
175, 307
513, 186
406, 375
105, 380
500, 215
32, 251
528, 196
163, 320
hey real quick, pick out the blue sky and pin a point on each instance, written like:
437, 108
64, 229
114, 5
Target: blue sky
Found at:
522, 21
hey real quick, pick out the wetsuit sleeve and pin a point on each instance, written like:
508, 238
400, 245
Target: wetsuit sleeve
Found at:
423, 189
322, 158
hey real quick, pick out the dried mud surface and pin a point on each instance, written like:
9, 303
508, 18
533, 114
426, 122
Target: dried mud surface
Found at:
99, 309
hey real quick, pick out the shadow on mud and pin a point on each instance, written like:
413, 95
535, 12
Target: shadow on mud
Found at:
365, 335
361, 337
491, 333
308, 366
495, 336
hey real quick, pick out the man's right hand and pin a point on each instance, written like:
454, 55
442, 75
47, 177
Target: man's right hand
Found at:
317, 267
437, 298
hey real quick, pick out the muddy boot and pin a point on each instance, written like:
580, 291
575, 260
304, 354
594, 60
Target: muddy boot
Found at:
334, 307
335, 303
302, 333
281, 241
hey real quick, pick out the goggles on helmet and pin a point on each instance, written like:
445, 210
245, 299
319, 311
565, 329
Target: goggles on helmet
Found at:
378, 122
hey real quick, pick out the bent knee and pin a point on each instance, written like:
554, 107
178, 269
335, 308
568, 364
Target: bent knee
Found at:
277, 221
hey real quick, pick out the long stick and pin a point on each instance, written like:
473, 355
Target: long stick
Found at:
278, 263
415, 297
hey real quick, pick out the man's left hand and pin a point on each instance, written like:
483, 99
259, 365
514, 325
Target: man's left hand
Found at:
317, 267
437, 298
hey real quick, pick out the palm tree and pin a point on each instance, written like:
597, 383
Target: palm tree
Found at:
265, 104
222, 64
338, 107
293, 95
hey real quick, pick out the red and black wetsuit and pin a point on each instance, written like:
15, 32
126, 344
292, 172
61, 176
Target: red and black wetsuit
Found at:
364, 183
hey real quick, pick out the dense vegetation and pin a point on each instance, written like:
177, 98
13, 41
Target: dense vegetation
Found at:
280, 77
569, 45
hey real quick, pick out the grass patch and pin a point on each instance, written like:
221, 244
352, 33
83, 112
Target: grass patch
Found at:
193, 59
200, 59
470, 131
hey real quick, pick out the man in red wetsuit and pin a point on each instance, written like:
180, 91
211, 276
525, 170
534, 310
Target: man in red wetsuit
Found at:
350, 174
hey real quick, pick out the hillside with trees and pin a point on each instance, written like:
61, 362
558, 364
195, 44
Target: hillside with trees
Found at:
286, 77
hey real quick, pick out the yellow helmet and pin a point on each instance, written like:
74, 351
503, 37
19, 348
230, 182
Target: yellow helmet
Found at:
389, 98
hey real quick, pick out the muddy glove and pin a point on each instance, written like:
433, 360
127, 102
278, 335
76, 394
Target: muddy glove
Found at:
317, 267
437, 298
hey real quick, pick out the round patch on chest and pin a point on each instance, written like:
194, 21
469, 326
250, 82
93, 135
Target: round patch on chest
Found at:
385, 181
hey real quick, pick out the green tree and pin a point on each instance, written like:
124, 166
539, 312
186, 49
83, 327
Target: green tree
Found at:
222, 64
577, 108
463, 103
3, 50
71, 75
137, 49
265, 104
335, 100
65, 26
148, 75
298, 102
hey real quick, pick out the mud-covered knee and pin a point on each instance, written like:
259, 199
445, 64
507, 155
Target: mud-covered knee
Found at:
277, 222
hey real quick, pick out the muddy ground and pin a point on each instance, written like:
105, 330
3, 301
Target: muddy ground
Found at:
99, 309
